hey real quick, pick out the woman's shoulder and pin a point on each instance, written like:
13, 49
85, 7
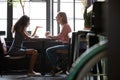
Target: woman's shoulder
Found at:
66, 25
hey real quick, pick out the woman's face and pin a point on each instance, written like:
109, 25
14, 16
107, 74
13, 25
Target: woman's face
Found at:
58, 18
28, 24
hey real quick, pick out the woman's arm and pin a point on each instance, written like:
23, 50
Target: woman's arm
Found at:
64, 33
47, 34
25, 34
35, 30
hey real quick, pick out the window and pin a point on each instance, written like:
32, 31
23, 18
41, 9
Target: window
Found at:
3, 16
79, 10
37, 13
42, 13
74, 10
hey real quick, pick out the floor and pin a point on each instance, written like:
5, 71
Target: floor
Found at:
25, 77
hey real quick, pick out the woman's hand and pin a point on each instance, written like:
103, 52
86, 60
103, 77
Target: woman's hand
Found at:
47, 34
34, 33
38, 26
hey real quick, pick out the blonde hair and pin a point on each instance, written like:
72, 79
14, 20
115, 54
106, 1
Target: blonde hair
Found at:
64, 17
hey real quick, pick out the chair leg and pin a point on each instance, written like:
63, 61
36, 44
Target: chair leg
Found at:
62, 62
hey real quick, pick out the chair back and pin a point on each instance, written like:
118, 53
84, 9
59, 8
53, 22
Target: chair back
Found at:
3, 47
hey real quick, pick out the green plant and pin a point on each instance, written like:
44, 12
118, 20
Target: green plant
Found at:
21, 3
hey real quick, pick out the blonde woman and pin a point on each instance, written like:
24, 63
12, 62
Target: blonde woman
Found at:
63, 37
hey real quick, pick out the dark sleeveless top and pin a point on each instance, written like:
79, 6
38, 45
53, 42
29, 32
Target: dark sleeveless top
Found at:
16, 48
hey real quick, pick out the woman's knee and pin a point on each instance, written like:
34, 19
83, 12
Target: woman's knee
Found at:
33, 52
49, 51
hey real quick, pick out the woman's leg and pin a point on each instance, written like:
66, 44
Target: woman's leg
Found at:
33, 54
50, 52
52, 55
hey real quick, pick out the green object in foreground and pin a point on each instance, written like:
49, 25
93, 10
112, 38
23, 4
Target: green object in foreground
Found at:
84, 58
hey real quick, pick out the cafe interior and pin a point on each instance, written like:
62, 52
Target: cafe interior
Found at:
92, 54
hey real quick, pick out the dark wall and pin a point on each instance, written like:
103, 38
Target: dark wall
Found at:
113, 30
